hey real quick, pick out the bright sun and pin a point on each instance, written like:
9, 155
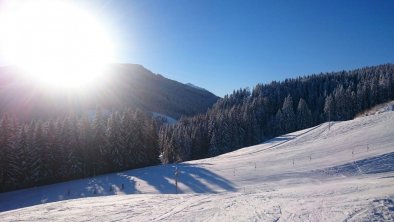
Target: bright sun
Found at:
55, 42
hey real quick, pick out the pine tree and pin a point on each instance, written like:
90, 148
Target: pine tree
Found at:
304, 116
152, 151
99, 147
213, 149
114, 142
52, 156
45, 139
167, 149
289, 118
6, 141
329, 107
126, 135
85, 137
75, 154
278, 123
19, 161
32, 155
138, 133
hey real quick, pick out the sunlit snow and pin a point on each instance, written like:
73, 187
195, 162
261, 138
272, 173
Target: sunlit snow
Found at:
336, 173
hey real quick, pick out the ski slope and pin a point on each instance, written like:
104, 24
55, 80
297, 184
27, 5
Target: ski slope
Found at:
338, 172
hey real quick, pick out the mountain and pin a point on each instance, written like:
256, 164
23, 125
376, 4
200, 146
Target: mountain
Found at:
126, 85
128, 138
341, 171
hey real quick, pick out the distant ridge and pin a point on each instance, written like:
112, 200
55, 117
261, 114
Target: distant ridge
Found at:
126, 85
196, 87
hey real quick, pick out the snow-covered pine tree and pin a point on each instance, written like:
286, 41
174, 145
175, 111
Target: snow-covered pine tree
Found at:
151, 141
126, 139
138, 134
75, 155
99, 147
278, 122
7, 136
289, 117
50, 152
114, 142
304, 116
86, 141
19, 172
40, 144
329, 108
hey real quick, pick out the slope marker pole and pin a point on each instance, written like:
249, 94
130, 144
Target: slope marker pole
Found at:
176, 180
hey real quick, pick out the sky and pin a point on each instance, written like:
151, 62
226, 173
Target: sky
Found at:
223, 45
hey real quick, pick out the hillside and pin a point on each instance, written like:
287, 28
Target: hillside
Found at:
249, 117
342, 171
126, 85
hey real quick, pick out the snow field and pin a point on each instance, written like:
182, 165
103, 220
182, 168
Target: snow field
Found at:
341, 172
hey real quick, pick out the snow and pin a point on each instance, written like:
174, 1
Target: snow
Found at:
169, 119
196, 87
344, 172
384, 107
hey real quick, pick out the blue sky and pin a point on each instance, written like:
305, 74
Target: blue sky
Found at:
223, 45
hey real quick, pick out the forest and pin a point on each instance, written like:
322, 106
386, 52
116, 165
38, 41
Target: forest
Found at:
75, 146
246, 117
45, 152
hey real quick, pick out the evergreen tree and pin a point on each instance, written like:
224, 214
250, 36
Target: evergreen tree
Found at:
32, 153
278, 123
289, 117
114, 142
75, 154
304, 116
127, 139
19, 160
87, 147
6, 142
100, 150
329, 107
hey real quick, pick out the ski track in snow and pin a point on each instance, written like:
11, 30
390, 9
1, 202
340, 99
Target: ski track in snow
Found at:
344, 172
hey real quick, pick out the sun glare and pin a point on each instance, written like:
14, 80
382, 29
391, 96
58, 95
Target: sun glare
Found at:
55, 42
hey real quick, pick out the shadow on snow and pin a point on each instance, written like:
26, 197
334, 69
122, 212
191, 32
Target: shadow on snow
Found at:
155, 179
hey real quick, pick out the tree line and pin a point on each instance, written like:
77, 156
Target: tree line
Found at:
48, 151
248, 117
43, 152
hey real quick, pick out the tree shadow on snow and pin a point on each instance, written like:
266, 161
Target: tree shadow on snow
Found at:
200, 180
156, 179
283, 138
377, 164
191, 178
103, 185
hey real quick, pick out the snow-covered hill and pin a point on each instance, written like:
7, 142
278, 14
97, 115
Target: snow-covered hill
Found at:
384, 107
125, 85
343, 171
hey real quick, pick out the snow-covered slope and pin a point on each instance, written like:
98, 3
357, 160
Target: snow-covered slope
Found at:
381, 108
196, 87
167, 119
338, 172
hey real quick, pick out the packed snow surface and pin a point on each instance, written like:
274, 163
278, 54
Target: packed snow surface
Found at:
343, 171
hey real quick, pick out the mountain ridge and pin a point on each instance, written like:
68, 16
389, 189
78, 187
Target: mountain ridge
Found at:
126, 85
